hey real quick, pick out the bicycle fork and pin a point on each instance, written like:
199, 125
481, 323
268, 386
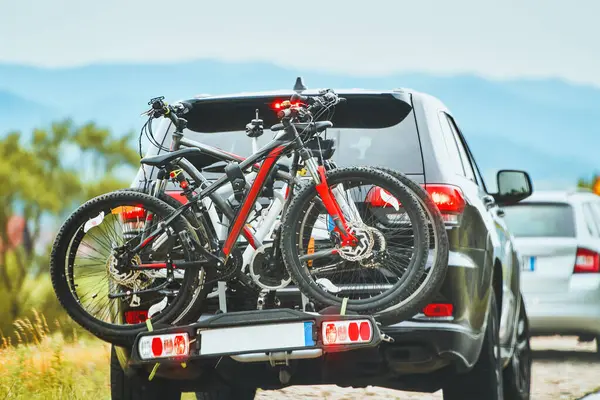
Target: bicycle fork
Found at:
330, 201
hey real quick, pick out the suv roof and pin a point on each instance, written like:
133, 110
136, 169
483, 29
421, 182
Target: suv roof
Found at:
562, 196
307, 92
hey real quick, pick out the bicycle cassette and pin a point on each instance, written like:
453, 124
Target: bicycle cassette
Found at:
268, 275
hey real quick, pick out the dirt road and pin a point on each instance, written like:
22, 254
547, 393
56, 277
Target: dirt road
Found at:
562, 369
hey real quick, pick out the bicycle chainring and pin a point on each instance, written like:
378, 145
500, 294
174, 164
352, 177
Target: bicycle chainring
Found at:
264, 273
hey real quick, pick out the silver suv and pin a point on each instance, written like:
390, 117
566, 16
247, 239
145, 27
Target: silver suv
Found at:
558, 237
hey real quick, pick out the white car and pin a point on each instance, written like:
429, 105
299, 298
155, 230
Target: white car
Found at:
558, 236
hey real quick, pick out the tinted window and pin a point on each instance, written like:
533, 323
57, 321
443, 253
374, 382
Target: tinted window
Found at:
468, 168
540, 220
451, 146
591, 219
368, 129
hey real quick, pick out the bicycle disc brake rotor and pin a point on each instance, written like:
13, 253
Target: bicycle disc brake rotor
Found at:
364, 248
136, 280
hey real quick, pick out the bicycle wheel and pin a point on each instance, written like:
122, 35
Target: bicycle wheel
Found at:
192, 312
437, 262
104, 292
392, 251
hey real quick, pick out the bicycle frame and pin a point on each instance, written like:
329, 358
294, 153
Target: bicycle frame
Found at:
284, 143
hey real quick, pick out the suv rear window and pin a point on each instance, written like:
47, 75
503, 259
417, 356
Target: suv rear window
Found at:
369, 129
540, 220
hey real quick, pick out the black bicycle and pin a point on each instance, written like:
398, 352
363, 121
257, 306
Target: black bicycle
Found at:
364, 251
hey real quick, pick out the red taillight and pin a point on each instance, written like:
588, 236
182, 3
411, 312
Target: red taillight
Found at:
586, 261
136, 316
448, 199
161, 346
434, 310
347, 332
133, 214
378, 197
177, 195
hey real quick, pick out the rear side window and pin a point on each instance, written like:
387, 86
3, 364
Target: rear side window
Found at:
540, 220
591, 217
369, 129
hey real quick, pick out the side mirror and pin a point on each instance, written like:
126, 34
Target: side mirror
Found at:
513, 186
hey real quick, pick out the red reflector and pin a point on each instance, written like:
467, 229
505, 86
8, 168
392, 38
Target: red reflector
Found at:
438, 310
136, 316
379, 197
157, 346
177, 195
365, 331
586, 261
347, 332
448, 199
353, 331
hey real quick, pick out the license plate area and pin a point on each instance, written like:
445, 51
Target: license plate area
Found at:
529, 264
253, 338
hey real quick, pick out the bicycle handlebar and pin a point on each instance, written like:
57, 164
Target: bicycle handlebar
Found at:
162, 109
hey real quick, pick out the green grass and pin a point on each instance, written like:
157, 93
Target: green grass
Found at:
39, 364
42, 365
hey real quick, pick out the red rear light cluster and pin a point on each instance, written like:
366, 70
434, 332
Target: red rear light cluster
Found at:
437, 310
448, 199
162, 346
133, 214
347, 332
378, 197
133, 317
586, 261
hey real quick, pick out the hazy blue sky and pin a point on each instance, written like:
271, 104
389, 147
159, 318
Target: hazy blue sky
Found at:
503, 39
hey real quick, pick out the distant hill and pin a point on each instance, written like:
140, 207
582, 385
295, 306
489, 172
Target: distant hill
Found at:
548, 126
19, 113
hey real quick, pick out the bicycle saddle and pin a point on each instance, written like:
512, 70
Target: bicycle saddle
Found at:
163, 159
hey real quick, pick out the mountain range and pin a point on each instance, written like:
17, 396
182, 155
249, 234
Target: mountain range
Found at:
545, 126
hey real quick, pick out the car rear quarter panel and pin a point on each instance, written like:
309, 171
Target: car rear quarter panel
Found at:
480, 238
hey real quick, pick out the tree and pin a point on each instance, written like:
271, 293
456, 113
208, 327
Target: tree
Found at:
42, 179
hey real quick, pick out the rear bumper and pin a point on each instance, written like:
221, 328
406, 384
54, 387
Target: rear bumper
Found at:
565, 319
421, 358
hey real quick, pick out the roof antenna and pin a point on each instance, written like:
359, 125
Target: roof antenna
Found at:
299, 85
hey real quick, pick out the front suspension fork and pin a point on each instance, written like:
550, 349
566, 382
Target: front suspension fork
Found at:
329, 201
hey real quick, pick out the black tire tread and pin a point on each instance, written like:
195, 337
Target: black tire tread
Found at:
122, 335
438, 270
309, 287
137, 387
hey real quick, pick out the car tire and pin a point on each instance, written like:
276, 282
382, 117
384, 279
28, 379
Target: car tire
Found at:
517, 375
484, 380
137, 387
228, 393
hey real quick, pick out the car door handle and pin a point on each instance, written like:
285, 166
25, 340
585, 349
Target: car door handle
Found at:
500, 212
488, 201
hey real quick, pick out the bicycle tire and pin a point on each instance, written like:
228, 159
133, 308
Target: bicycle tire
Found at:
434, 277
300, 273
120, 335
192, 312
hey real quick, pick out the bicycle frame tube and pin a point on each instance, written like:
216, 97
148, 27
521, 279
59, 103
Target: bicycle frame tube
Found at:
250, 199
